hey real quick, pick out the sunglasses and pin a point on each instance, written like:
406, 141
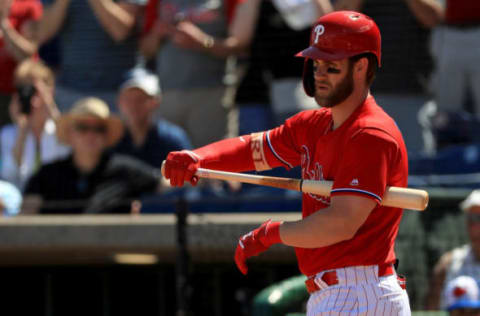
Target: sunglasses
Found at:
473, 217
95, 128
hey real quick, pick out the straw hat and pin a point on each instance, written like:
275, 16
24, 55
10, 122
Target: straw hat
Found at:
86, 108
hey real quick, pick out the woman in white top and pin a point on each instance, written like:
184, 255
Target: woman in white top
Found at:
31, 140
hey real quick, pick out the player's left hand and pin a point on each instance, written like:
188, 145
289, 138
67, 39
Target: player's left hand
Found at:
256, 242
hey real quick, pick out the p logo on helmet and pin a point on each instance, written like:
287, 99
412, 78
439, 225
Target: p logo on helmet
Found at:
319, 29
339, 35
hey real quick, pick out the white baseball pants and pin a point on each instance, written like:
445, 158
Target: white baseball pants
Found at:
360, 291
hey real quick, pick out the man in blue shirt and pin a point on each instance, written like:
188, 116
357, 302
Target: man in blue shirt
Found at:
145, 138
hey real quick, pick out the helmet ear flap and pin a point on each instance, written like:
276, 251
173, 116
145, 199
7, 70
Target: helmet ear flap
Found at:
308, 81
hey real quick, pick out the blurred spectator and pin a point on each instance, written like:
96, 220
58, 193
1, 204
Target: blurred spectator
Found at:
97, 42
462, 297
272, 85
31, 140
145, 138
91, 180
10, 199
195, 40
283, 29
192, 40
17, 20
464, 260
454, 46
442, 129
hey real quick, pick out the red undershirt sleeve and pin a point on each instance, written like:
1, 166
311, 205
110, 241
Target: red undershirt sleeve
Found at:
232, 154
258, 151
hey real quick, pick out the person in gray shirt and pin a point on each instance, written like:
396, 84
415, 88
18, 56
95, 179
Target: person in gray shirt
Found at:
97, 43
190, 41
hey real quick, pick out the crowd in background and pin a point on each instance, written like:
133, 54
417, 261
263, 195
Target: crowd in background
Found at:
224, 67
95, 93
202, 71
165, 72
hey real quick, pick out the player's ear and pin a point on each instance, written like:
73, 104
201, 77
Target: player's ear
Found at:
360, 68
361, 65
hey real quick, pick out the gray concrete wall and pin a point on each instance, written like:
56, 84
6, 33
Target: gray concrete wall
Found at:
82, 239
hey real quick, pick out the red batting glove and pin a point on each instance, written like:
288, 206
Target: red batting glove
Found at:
256, 242
180, 166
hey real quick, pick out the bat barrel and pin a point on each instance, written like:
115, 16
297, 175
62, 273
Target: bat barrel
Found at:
407, 198
411, 199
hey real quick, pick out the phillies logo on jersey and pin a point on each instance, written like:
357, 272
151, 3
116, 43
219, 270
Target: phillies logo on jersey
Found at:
312, 171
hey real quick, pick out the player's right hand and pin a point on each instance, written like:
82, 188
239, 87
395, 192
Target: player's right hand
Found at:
180, 166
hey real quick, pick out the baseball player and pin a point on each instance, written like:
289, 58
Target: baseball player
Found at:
345, 242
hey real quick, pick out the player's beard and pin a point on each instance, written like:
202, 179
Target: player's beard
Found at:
341, 92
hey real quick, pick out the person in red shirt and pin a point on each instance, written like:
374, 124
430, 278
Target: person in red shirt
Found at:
345, 242
17, 19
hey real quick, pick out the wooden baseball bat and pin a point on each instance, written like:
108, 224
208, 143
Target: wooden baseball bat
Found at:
412, 199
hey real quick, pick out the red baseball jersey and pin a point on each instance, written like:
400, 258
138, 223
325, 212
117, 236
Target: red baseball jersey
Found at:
362, 157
